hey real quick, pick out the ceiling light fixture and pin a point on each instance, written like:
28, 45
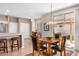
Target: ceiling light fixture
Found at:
52, 21
7, 11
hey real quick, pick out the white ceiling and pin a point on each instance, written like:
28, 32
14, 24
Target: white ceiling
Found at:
30, 9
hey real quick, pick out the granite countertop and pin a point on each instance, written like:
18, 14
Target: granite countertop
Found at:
9, 34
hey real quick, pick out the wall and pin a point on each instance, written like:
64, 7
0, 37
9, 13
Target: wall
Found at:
77, 29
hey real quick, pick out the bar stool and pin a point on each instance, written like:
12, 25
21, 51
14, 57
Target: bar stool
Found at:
3, 45
14, 43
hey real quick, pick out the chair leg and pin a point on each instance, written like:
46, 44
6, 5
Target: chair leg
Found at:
55, 52
51, 52
39, 52
46, 52
61, 53
6, 47
64, 52
18, 44
33, 52
12, 45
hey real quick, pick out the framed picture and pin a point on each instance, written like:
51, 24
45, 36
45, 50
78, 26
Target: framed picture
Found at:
46, 27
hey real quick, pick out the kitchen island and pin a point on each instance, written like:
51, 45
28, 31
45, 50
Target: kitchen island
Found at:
9, 36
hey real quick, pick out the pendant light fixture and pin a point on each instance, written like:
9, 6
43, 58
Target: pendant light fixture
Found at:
52, 21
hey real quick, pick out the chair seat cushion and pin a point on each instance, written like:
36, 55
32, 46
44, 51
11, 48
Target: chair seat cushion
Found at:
43, 46
57, 47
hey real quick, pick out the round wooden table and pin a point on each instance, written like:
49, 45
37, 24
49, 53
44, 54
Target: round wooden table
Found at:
49, 42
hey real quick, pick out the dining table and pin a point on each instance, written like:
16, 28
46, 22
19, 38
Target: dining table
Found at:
49, 42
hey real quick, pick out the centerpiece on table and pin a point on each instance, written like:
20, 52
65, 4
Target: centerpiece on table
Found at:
49, 38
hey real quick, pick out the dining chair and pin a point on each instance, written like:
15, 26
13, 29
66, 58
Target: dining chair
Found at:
34, 43
56, 37
38, 46
14, 43
61, 47
42, 48
3, 45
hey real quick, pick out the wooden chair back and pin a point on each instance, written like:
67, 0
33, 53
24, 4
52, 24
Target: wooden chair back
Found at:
34, 42
62, 42
57, 35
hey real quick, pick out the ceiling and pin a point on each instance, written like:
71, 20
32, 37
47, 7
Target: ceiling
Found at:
30, 10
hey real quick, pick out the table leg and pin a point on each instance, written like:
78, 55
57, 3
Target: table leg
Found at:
48, 49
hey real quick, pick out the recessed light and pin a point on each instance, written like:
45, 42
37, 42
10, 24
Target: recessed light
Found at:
5, 13
7, 10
